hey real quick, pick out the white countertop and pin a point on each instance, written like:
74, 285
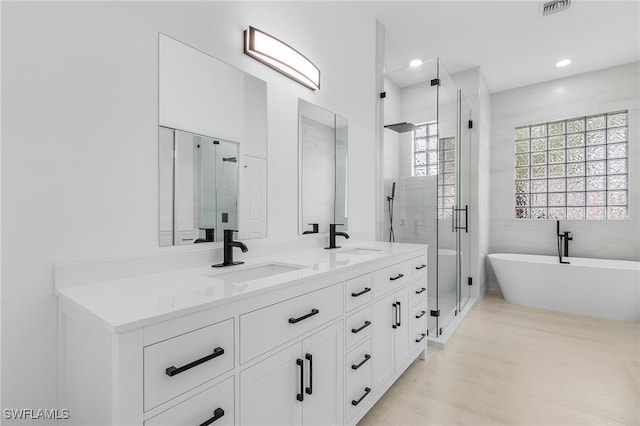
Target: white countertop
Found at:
125, 304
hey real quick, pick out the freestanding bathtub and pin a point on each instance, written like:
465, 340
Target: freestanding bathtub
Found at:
595, 287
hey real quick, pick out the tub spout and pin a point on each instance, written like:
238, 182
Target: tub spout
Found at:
563, 243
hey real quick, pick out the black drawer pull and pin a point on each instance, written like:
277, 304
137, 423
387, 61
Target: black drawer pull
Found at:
310, 314
219, 412
366, 392
367, 357
172, 371
300, 396
360, 293
419, 339
421, 290
421, 314
358, 330
421, 266
396, 277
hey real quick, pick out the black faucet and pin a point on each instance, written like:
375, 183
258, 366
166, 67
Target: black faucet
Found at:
563, 243
332, 236
314, 231
228, 246
209, 236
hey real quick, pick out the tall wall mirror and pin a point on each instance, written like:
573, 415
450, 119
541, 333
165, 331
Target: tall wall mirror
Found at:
198, 187
322, 168
212, 143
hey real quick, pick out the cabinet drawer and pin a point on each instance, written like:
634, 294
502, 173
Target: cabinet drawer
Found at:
358, 291
358, 378
173, 366
420, 266
274, 325
214, 403
418, 291
357, 326
391, 277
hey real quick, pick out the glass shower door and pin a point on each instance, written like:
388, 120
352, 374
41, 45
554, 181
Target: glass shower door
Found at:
448, 139
464, 148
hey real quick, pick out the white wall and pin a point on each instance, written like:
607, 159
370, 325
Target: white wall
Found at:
80, 136
608, 90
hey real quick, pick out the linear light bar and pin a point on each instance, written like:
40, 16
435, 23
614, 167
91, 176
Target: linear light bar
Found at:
281, 57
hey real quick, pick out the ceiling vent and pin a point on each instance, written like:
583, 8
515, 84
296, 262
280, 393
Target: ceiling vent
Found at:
555, 6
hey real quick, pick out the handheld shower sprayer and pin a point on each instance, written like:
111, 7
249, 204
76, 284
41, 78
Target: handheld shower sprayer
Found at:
390, 201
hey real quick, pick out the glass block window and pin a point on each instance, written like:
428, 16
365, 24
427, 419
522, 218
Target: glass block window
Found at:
434, 157
573, 169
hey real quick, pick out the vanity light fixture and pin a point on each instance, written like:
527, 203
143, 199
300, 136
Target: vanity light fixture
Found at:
281, 57
563, 63
415, 63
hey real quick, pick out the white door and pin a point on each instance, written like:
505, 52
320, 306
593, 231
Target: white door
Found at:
252, 211
402, 333
269, 390
323, 356
382, 352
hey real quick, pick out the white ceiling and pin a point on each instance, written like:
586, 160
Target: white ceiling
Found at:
511, 42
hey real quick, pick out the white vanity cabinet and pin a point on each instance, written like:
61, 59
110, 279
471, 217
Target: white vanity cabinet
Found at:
391, 334
300, 385
319, 348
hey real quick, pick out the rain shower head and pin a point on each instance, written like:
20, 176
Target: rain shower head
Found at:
401, 127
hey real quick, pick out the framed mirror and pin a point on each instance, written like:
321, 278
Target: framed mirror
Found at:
198, 187
322, 168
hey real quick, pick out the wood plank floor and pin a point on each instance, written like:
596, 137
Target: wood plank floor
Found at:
513, 365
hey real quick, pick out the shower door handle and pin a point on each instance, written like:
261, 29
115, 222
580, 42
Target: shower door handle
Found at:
454, 222
453, 219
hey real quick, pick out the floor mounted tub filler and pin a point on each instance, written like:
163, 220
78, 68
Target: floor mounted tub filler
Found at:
595, 287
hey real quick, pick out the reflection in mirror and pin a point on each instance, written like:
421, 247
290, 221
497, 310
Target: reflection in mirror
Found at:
322, 166
198, 187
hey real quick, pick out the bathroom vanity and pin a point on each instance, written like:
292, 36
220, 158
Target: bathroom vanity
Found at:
308, 337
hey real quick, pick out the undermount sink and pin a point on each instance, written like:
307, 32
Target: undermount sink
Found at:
256, 272
360, 251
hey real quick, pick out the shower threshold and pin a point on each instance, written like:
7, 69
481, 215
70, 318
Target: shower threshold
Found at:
448, 333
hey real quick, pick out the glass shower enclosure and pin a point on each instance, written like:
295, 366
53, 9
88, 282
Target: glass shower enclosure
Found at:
426, 177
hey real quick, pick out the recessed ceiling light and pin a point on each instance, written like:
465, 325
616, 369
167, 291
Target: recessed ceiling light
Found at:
563, 63
415, 63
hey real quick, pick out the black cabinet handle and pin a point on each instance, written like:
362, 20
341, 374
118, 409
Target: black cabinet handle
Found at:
419, 339
421, 266
219, 412
367, 357
300, 396
399, 314
358, 330
421, 290
396, 277
360, 293
310, 314
366, 392
309, 389
395, 315
421, 314
172, 371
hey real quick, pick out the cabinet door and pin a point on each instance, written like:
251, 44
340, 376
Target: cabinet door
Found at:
402, 333
382, 352
324, 375
269, 389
